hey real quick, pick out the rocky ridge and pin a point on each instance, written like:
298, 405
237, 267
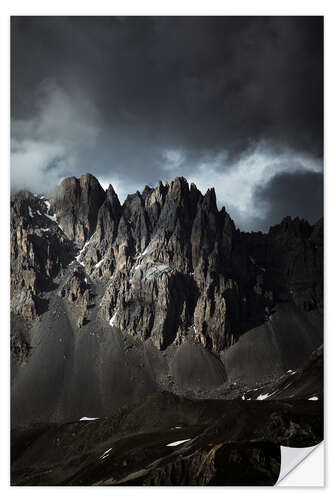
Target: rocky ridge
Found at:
40, 251
153, 343
172, 265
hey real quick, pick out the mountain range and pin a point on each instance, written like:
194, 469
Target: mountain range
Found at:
158, 315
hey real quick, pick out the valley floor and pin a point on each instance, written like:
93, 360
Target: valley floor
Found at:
168, 440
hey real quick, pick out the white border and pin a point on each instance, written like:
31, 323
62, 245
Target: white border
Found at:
144, 7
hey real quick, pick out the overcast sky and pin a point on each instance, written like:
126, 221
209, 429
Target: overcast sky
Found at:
234, 103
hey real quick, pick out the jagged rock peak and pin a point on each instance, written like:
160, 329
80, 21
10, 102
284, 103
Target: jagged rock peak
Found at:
76, 204
89, 180
209, 200
292, 226
179, 186
86, 189
112, 197
172, 264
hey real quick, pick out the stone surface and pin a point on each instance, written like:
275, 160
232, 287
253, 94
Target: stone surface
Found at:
159, 292
40, 251
163, 319
173, 264
230, 443
76, 204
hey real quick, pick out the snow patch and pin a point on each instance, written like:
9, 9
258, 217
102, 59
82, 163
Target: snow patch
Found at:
30, 212
88, 418
314, 398
81, 251
51, 217
99, 263
44, 229
176, 443
263, 396
113, 319
105, 454
143, 253
157, 270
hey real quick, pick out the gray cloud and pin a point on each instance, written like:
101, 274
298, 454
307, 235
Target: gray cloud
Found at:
229, 102
297, 194
49, 144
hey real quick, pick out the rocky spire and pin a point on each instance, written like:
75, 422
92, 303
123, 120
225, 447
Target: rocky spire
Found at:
172, 264
76, 206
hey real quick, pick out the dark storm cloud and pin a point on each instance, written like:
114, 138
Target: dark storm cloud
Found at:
298, 194
138, 99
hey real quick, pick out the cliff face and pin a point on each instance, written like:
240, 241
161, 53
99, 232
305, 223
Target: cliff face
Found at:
76, 205
160, 293
172, 265
40, 251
